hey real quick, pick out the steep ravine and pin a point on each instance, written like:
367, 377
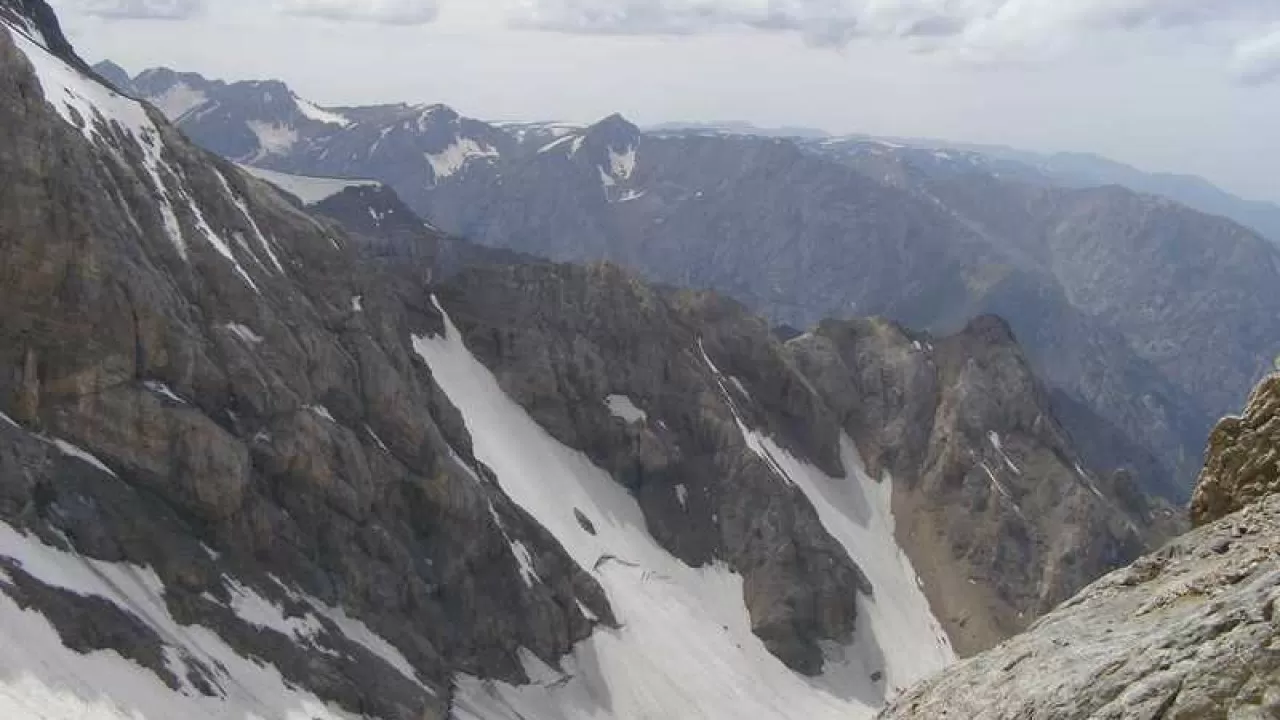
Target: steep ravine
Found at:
1190, 631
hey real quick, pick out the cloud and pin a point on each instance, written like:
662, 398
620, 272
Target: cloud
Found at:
386, 12
1257, 61
939, 23
142, 9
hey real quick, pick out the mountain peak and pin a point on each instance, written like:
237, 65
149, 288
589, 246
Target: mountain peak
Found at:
114, 74
40, 23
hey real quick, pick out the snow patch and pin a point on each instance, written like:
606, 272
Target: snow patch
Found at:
6, 419
622, 165
82, 455
310, 190
357, 303
179, 100
630, 195
682, 495
42, 678
558, 143
449, 161
312, 111
624, 409
858, 512
161, 389
243, 332
994, 438
377, 440
253, 224
89, 106
1003, 491
273, 138
684, 646
322, 412
257, 610
525, 560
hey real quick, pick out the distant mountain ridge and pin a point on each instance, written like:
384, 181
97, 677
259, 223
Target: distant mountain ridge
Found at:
1146, 319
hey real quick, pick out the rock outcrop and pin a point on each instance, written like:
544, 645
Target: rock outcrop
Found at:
994, 502
1243, 460
1190, 631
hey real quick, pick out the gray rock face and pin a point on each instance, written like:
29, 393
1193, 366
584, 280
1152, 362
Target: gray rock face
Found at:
994, 506
562, 339
1118, 297
1188, 632
993, 501
1242, 463
197, 333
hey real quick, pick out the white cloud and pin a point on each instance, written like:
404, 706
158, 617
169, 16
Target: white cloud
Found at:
1257, 61
388, 12
141, 9
941, 23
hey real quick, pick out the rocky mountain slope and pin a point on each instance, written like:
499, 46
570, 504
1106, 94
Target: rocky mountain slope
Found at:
1070, 170
1189, 631
254, 463
1117, 296
1243, 457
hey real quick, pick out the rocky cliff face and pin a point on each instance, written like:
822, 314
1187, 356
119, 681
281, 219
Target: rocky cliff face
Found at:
1188, 631
1117, 296
203, 384
256, 463
1243, 459
993, 504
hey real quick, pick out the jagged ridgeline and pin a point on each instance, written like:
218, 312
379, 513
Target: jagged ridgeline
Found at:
1146, 319
276, 448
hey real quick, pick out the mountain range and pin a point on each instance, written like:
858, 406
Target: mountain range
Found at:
1118, 296
273, 445
279, 448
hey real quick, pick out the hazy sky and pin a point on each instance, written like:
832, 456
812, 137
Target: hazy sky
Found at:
1176, 85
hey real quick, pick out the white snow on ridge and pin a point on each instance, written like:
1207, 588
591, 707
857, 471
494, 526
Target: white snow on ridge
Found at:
179, 100
253, 224
163, 390
450, 160
553, 145
6, 419
82, 455
684, 648
622, 165
93, 109
857, 511
314, 112
243, 332
81, 102
624, 409
273, 138
41, 679
310, 190
257, 610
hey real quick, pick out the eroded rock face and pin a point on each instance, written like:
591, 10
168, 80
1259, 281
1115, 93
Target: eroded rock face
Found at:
202, 338
993, 504
1242, 463
563, 339
1190, 631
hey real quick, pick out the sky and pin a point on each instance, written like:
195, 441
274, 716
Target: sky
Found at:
1188, 86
